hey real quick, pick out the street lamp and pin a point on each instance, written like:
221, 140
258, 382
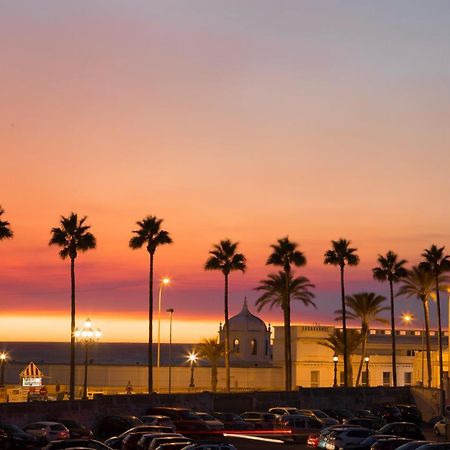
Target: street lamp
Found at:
164, 282
3, 358
407, 319
192, 358
366, 360
170, 311
335, 362
87, 335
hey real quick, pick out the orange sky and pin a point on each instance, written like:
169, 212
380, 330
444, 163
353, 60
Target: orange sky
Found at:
243, 120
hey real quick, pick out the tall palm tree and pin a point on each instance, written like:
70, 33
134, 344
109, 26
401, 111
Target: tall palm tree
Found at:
72, 236
213, 351
5, 228
340, 344
152, 236
275, 294
437, 263
391, 269
341, 254
421, 284
367, 307
224, 257
285, 254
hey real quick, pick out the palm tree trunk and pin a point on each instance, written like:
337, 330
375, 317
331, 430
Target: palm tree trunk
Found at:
150, 326
287, 334
394, 350
363, 354
426, 314
441, 366
72, 331
344, 330
227, 339
214, 377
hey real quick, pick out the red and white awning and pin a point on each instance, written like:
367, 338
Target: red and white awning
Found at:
31, 371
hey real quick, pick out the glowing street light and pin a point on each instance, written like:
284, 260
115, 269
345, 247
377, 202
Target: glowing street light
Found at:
164, 282
407, 318
87, 335
192, 358
335, 362
3, 358
366, 360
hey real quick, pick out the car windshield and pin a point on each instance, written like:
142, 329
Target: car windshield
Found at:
320, 414
188, 415
11, 428
57, 427
368, 441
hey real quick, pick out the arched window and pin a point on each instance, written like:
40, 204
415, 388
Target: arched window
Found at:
236, 346
254, 346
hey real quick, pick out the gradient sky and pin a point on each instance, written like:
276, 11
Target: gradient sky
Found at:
243, 119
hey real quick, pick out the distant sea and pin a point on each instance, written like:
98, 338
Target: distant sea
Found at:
99, 353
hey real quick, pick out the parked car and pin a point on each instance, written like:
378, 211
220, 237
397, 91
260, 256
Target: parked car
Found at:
156, 442
260, 420
410, 413
342, 438
52, 431
338, 414
412, 445
76, 430
366, 413
146, 439
387, 413
319, 415
116, 441
213, 423
299, 427
435, 446
403, 429
173, 446
109, 426
70, 443
283, 410
185, 420
440, 426
232, 421
389, 443
324, 433
367, 443
18, 438
364, 422
155, 419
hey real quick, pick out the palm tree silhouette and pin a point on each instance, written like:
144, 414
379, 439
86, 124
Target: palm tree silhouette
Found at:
367, 307
150, 234
278, 292
73, 236
211, 350
5, 228
421, 284
285, 254
224, 257
437, 263
341, 254
391, 270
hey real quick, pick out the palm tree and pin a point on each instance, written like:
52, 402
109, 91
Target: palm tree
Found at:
340, 344
341, 254
285, 254
73, 236
437, 263
275, 294
213, 351
421, 284
366, 306
391, 270
224, 257
5, 229
152, 236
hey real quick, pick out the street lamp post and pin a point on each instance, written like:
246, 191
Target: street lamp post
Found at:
366, 360
164, 282
3, 358
87, 335
335, 362
170, 311
192, 358
408, 318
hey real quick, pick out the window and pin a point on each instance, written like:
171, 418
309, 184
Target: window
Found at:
386, 378
236, 348
254, 346
408, 378
315, 377
410, 352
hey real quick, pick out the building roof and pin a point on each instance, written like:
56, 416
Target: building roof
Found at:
246, 321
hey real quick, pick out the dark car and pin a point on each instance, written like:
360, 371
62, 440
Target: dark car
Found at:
435, 446
412, 445
17, 438
410, 413
387, 413
338, 414
403, 429
76, 430
260, 420
148, 438
116, 441
232, 421
114, 425
70, 443
367, 443
364, 422
390, 443
185, 420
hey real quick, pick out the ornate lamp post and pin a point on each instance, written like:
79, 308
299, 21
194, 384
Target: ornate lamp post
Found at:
335, 362
164, 282
366, 360
87, 335
192, 358
3, 358
170, 311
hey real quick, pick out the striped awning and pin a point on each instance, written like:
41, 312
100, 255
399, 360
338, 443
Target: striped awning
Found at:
31, 371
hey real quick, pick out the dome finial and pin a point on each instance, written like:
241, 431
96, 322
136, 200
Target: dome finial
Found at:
245, 305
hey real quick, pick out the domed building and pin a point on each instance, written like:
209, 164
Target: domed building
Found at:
249, 339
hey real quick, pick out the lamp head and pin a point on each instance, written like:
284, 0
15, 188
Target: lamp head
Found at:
366, 359
3, 356
192, 357
165, 281
335, 358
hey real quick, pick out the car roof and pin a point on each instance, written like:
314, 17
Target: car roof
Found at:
45, 422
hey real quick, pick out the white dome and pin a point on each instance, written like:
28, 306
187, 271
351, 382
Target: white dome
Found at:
246, 321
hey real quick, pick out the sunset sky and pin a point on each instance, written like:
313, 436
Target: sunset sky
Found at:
247, 119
